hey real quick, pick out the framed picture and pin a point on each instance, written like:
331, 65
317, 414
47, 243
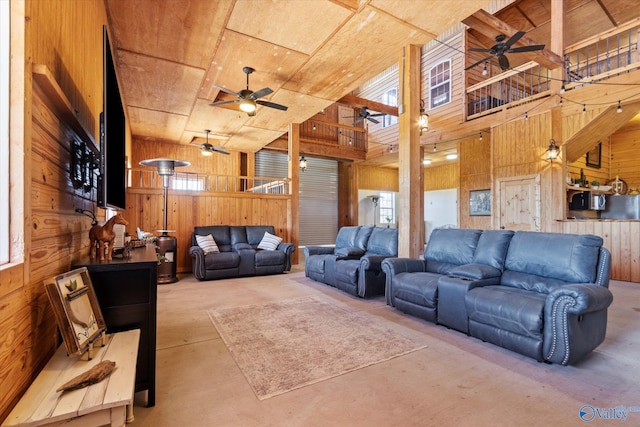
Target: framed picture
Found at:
480, 202
76, 309
594, 157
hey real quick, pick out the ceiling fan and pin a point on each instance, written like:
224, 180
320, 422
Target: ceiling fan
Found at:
208, 149
247, 98
501, 47
365, 114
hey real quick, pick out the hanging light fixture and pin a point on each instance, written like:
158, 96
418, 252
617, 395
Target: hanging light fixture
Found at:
248, 106
553, 150
303, 163
423, 121
484, 69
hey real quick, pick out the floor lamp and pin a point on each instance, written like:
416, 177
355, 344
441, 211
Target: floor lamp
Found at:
374, 200
167, 246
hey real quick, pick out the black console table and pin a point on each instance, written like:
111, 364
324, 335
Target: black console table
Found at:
127, 293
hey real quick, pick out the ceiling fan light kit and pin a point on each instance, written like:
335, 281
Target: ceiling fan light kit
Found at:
247, 99
207, 149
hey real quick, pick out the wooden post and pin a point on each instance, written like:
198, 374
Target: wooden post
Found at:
410, 173
293, 208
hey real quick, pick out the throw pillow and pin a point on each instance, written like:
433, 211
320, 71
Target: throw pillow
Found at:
207, 243
269, 242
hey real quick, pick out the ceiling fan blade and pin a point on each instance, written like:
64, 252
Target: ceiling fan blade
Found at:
215, 104
377, 115
526, 48
358, 120
514, 38
504, 62
272, 105
230, 92
372, 120
219, 150
260, 93
479, 49
479, 62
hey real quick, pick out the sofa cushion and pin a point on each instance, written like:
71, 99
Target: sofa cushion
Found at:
255, 233
263, 258
346, 237
450, 247
492, 248
207, 243
221, 234
383, 241
363, 236
222, 260
571, 258
507, 309
269, 242
418, 288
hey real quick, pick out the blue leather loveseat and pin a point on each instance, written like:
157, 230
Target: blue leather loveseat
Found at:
544, 295
238, 253
353, 264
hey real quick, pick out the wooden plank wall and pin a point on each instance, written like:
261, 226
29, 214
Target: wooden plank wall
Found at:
625, 156
67, 38
475, 174
377, 178
442, 177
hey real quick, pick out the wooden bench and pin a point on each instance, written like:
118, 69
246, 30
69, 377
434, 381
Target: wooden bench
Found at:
107, 402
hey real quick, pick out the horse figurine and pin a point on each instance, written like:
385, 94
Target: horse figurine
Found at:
101, 234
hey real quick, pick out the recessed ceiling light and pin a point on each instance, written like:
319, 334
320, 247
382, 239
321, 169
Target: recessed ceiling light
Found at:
426, 162
452, 156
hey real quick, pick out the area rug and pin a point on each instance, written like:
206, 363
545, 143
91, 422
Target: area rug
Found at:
289, 344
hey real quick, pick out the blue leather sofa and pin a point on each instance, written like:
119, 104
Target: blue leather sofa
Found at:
544, 295
239, 255
353, 264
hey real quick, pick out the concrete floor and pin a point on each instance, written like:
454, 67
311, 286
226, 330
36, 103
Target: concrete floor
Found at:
455, 381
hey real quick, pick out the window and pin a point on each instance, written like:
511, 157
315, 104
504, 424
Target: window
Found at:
390, 98
387, 208
187, 183
4, 132
440, 84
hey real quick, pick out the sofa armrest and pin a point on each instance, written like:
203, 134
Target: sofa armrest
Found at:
349, 253
575, 321
197, 262
393, 266
318, 250
372, 261
288, 249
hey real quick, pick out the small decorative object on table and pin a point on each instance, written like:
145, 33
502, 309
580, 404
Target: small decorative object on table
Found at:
101, 234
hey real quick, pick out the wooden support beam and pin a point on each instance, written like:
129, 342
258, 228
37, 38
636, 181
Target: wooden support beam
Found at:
410, 155
293, 204
603, 125
357, 102
490, 26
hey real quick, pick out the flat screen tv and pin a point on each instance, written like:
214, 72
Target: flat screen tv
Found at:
112, 180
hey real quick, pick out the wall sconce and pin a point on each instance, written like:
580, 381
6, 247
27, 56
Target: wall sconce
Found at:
553, 150
423, 121
374, 200
303, 163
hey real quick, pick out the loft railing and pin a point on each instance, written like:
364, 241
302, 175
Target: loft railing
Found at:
521, 84
333, 133
602, 56
189, 181
599, 57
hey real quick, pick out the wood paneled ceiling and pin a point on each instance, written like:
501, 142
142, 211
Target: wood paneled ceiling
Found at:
171, 53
